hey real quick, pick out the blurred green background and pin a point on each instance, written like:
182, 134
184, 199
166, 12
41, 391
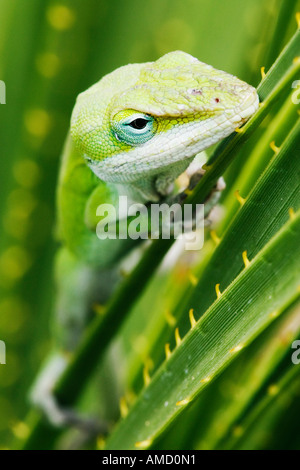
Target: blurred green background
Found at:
50, 50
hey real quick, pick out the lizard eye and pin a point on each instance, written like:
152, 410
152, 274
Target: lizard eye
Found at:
133, 128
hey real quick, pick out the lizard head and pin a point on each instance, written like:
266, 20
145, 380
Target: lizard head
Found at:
144, 120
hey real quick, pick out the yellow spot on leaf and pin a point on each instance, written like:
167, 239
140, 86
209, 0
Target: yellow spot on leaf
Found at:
273, 389
205, 167
27, 173
14, 262
183, 402
193, 279
188, 191
139, 344
124, 273
98, 309
192, 318
123, 407
21, 204
206, 380
146, 376
236, 348
274, 314
37, 122
237, 431
143, 444
245, 259
48, 64
218, 292
298, 19
171, 320
167, 350
14, 312
61, 17
20, 430
215, 237
292, 213
263, 73
130, 396
239, 198
68, 355
177, 337
274, 147
100, 443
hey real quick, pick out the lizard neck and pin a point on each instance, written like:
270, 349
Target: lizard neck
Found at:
153, 187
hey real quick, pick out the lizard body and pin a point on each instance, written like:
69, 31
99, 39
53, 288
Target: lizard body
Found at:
132, 133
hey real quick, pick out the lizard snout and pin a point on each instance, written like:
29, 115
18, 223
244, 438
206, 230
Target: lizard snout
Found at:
249, 104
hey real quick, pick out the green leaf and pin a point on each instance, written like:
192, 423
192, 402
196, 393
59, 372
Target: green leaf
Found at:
244, 309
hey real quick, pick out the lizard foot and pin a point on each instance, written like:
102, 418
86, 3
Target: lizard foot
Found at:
58, 416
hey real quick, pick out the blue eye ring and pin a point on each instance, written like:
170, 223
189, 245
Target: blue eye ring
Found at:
133, 128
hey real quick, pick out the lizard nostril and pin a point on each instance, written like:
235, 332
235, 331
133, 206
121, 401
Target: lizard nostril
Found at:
195, 91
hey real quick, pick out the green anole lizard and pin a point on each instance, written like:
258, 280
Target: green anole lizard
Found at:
132, 133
